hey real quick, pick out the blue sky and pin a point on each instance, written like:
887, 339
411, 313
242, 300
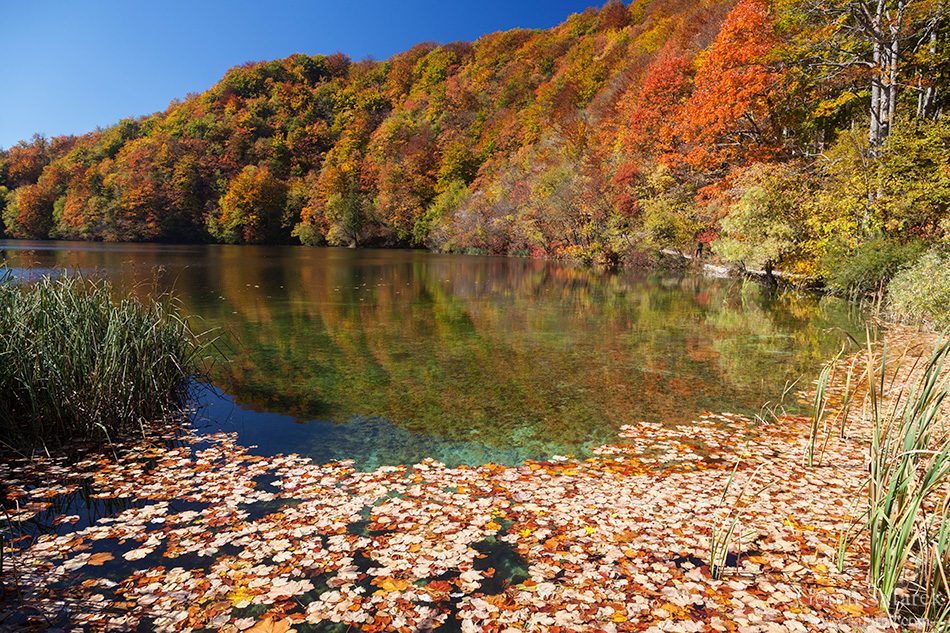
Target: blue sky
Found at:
71, 65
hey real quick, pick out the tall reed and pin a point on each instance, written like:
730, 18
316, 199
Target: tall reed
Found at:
908, 489
722, 538
77, 362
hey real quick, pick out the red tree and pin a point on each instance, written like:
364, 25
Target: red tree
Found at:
729, 113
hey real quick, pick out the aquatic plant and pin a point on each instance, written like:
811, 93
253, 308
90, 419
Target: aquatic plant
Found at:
908, 498
77, 362
723, 536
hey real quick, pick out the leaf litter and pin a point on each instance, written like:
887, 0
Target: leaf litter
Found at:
207, 536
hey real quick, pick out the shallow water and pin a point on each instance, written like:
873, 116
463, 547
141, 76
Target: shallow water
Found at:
387, 357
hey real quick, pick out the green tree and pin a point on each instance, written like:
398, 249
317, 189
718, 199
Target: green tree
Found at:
914, 178
763, 228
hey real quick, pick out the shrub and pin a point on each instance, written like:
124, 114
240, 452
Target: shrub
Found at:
868, 268
922, 291
75, 362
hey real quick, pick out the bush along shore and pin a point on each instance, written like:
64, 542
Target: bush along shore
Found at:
78, 363
833, 519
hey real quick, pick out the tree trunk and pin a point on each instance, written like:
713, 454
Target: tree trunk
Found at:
874, 133
925, 101
769, 275
896, 25
884, 29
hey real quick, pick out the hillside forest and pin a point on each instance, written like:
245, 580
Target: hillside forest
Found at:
811, 136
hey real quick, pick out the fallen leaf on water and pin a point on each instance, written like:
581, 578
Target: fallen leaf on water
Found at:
392, 584
270, 625
136, 554
100, 558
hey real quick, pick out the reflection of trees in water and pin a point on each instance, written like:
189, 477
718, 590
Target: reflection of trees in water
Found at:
483, 348
781, 336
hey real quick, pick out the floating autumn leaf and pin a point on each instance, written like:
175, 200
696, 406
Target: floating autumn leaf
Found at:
390, 584
471, 576
100, 558
288, 589
66, 519
137, 554
270, 625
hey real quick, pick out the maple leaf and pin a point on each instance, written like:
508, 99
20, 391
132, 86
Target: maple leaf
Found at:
392, 584
471, 576
137, 554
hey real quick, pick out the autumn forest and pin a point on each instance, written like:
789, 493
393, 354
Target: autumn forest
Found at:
796, 134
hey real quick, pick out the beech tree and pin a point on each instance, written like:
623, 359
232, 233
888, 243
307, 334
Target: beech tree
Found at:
876, 40
24, 162
764, 227
252, 209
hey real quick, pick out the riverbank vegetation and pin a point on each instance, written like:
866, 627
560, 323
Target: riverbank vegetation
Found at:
800, 135
75, 362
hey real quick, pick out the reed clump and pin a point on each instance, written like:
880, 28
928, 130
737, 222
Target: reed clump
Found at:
76, 362
906, 516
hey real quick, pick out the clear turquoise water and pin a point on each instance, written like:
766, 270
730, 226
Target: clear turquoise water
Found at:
387, 357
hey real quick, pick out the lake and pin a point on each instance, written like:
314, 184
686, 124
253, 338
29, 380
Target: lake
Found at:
390, 356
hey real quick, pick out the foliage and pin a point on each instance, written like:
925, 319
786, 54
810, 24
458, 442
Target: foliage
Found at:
841, 209
763, 228
668, 220
728, 117
867, 53
252, 209
78, 363
626, 128
869, 267
915, 178
454, 197
922, 290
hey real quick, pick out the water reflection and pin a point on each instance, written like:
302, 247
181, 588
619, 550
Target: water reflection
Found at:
468, 358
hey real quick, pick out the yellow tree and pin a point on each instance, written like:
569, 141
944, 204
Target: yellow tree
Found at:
252, 210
